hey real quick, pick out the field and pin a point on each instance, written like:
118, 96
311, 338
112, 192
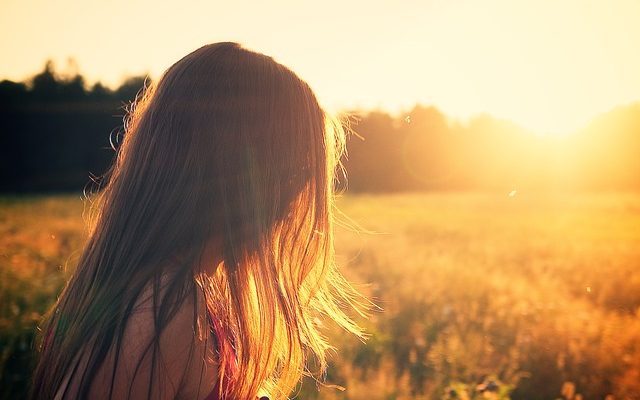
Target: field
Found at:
482, 295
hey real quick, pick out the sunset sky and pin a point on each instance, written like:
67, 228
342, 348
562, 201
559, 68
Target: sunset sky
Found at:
548, 65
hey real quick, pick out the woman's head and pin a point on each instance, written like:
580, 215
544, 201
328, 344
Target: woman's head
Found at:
228, 147
224, 145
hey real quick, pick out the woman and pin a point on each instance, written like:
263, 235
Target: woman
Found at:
211, 255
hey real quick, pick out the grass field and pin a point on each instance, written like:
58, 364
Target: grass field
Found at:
483, 295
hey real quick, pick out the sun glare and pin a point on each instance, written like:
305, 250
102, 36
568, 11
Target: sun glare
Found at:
549, 66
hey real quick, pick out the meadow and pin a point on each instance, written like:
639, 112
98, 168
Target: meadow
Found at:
481, 295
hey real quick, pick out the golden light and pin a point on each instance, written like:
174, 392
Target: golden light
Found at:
549, 66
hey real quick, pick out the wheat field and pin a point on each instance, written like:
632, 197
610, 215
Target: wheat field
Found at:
480, 295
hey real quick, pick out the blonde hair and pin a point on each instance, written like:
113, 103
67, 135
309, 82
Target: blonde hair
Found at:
227, 144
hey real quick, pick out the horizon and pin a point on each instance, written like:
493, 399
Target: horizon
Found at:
549, 68
71, 71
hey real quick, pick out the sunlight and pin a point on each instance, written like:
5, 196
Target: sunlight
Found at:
478, 161
548, 66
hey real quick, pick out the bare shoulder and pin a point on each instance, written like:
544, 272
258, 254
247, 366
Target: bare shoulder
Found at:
179, 363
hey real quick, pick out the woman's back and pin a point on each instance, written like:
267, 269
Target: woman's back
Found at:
185, 368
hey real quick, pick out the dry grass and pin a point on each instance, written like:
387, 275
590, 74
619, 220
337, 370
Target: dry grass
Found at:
530, 296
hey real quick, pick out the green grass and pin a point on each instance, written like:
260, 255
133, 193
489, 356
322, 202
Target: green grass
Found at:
538, 294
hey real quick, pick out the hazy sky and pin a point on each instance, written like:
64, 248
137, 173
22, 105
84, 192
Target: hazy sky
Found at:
548, 65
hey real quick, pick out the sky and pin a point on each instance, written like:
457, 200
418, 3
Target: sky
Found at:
550, 66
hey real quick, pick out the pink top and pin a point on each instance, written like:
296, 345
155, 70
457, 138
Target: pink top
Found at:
223, 346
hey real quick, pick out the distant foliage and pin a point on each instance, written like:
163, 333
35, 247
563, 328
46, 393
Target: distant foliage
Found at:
425, 150
55, 135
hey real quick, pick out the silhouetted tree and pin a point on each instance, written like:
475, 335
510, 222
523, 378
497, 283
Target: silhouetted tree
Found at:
55, 133
73, 89
100, 92
45, 86
130, 88
12, 92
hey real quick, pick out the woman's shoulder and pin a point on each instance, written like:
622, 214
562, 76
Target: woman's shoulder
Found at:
177, 360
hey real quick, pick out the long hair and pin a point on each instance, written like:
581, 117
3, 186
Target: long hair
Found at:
227, 144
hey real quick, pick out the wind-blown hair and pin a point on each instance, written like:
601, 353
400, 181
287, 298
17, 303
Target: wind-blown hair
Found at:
227, 144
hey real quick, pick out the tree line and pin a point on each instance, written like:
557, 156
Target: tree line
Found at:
57, 134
